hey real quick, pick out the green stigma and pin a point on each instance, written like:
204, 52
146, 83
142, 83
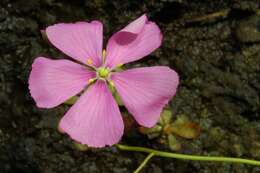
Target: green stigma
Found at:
103, 72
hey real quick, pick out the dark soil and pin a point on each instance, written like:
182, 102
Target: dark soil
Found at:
217, 58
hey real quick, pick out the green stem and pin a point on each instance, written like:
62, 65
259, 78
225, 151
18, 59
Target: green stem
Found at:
144, 163
189, 157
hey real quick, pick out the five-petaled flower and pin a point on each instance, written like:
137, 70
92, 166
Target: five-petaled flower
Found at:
95, 118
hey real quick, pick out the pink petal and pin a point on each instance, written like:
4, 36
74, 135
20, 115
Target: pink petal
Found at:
135, 41
81, 41
95, 119
145, 91
137, 25
52, 82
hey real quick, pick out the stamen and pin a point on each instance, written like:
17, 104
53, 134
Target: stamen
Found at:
111, 83
90, 81
103, 55
119, 65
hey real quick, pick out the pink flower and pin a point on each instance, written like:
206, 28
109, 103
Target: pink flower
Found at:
95, 118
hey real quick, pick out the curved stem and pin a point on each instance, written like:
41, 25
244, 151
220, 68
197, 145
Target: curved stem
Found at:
189, 157
140, 167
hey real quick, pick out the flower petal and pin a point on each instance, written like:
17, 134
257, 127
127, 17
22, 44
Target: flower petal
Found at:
81, 41
137, 25
135, 41
95, 119
52, 82
145, 91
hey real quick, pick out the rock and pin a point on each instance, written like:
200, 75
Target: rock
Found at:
248, 30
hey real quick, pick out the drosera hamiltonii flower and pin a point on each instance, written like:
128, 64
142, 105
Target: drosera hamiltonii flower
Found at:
95, 119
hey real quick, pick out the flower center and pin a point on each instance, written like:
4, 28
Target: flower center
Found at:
103, 72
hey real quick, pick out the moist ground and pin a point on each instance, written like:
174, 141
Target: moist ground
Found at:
216, 56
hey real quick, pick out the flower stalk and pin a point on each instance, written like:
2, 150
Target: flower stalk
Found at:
153, 152
140, 167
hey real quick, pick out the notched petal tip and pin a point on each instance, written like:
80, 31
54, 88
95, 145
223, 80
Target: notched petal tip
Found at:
97, 22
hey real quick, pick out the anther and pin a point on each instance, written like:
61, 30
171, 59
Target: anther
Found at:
89, 61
